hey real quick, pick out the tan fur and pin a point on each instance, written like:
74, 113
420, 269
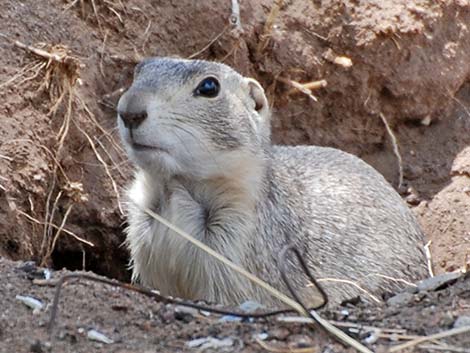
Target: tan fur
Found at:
209, 168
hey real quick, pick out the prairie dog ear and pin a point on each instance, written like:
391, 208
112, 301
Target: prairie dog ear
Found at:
257, 94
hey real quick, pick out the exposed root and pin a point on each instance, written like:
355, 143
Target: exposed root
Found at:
59, 231
84, 241
415, 342
396, 151
305, 88
56, 71
115, 8
268, 27
208, 45
105, 166
427, 251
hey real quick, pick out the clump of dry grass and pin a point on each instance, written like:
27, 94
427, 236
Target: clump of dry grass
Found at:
56, 71
115, 8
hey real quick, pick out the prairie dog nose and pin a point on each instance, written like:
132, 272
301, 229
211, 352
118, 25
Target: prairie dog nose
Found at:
132, 120
132, 109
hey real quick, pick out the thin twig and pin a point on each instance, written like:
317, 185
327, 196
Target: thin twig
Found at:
268, 26
59, 231
6, 158
285, 350
393, 279
444, 347
105, 166
313, 85
216, 38
307, 320
448, 333
116, 166
56, 227
396, 151
300, 87
373, 297
427, 251
45, 234
149, 293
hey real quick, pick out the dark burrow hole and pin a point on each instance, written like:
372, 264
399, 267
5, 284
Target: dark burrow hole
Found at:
112, 265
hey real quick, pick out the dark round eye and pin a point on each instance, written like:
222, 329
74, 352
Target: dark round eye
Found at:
209, 87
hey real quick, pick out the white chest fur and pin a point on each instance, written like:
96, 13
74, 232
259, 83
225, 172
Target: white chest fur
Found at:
165, 261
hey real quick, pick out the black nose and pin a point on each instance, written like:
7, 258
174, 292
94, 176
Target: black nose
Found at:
132, 120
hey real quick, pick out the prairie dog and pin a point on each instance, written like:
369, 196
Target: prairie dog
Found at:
199, 135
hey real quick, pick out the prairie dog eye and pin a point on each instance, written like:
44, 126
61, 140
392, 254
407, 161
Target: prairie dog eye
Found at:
209, 88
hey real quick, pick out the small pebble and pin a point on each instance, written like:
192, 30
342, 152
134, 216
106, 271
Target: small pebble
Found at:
436, 282
31, 302
280, 333
262, 336
209, 342
230, 318
250, 306
400, 299
463, 320
94, 335
372, 337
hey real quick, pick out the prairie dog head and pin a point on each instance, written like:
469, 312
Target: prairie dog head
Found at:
192, 117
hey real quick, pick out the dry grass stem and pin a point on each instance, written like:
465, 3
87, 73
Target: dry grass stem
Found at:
268, 26
46, 230
27, 68
370, 295
102, 54
6, 158
309, 86
393, 279
208, 45
59, 231
269, 348
115, 165
415, 342
459, 102
427, 251
84, 241
105, 166
276, 293
443, 347
95, 122
298, 86
396, 151
349, 325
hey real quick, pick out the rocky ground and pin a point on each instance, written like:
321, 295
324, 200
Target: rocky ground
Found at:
397, 80
93, 316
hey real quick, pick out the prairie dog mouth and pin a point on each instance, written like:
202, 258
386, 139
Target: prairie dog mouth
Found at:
140, 147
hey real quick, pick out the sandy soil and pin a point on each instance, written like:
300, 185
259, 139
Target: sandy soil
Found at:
138, 324
60, 158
